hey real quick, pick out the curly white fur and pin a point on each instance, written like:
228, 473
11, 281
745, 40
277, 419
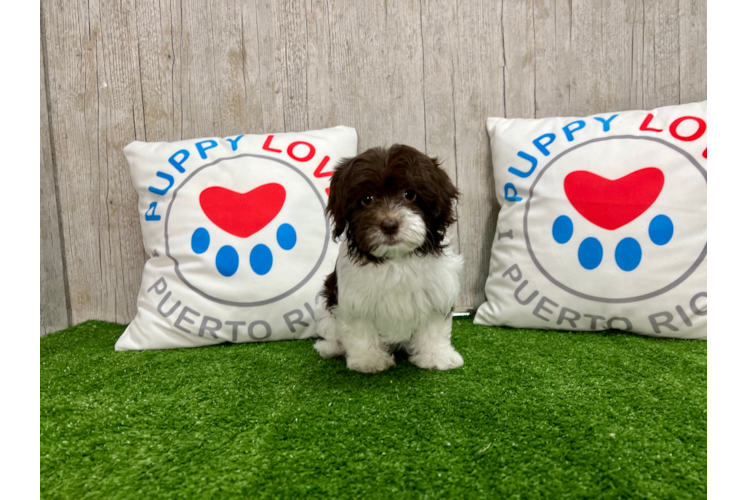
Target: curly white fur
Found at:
405, 302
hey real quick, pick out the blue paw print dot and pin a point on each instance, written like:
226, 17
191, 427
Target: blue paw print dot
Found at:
261, 259
628, 254
590, 253
200, 240
562, 230
286, 236
227, 261
661, 230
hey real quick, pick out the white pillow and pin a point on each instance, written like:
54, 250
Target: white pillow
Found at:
236, 232
602, 223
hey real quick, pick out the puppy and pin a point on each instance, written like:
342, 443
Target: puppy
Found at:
396, 279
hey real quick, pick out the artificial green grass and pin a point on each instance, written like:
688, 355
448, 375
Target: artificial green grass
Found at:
532, 414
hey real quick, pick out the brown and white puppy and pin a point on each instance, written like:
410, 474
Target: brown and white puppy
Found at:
397, 278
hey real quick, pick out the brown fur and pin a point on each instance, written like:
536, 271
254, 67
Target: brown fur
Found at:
386, 174
330, 290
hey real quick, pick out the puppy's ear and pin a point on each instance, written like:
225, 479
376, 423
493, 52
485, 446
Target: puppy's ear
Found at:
448, 194
337, 204
441, 193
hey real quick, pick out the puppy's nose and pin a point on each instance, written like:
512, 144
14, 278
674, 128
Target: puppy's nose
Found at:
389, 226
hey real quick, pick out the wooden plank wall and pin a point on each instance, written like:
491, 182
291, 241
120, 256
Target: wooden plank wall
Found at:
52, 297
425, 73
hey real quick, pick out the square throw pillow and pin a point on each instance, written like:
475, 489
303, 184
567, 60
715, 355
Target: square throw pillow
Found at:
237, 236
602, 223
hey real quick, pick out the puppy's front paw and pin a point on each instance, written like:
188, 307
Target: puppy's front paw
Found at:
444, 359
371, 364
328, 349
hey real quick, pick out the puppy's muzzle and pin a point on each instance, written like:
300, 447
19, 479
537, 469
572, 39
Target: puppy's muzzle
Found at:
389, 226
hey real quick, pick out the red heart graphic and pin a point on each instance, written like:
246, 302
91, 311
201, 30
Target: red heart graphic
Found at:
611, 204
242, 214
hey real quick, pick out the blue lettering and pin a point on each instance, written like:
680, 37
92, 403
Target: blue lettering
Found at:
178, 163
233, 142
202, 149
529, 158
162, 192
606, 123
150, 214
512, 197
543, 146
569, 131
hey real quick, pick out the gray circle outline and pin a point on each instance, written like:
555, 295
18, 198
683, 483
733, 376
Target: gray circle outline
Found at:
570, 290
261, 302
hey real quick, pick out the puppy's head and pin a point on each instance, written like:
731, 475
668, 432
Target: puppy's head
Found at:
390, 203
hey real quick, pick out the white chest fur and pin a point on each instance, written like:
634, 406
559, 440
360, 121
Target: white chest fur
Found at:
400, 294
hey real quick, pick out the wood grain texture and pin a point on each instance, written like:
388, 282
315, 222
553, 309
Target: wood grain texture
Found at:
518, 30
421, 72
601, 54
464, 78
660, 61
377, 46
52, 298
553, 71
440, 124
158, 31
692, 48
96, 110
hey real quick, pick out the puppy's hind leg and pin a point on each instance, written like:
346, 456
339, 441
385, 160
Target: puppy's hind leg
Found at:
431, 346
328, 345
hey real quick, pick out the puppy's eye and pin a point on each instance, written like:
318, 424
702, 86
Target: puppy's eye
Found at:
409, 195
367, 200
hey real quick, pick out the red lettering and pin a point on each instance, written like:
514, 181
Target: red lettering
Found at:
327, 190
699, 132
293, 145
711, 153
267, 147
704, 153
645, 124
318, 173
